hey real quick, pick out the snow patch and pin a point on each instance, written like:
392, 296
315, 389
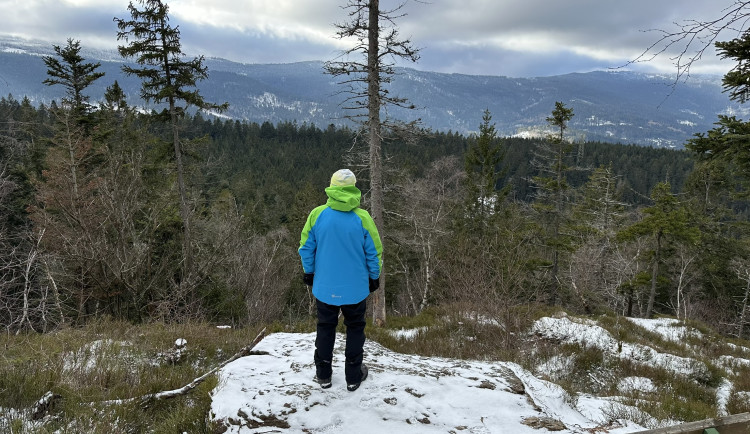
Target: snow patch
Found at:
722, 397
556, 367
587, 334
630, 385
86, 359
407, 334
670, 329
217, 114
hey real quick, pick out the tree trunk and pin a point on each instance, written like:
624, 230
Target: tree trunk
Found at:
72, 155
629, 312
743, 310
654, 275
427, 275
558, 219
25, 318
376, 170
184, 208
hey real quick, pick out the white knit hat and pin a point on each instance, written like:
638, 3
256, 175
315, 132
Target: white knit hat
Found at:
343, 178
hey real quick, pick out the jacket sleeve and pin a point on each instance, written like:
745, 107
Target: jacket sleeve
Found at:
373, 246
308, 244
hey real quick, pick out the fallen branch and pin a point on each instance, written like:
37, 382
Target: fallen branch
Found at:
45, 403
167, 394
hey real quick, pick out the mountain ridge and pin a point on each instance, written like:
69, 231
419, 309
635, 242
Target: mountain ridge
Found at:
610, 106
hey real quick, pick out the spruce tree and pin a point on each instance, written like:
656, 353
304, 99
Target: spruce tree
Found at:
551, 161
667, 220
74, 74
483, 173
167, 77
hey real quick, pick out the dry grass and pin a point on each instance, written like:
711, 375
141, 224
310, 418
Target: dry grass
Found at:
107, 361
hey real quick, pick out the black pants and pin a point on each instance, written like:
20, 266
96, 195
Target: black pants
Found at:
328, 319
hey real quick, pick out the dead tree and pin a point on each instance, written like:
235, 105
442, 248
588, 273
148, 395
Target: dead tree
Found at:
377, 44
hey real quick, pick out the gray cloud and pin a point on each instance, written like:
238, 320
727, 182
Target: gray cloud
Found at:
490, 37
250, 47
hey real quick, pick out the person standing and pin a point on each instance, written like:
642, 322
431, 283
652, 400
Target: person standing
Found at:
341, 256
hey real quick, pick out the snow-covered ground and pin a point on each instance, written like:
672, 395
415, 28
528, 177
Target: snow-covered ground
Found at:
274, 392
403, 393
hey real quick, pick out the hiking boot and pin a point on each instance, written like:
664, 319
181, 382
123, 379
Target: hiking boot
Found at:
354, 386
325, 383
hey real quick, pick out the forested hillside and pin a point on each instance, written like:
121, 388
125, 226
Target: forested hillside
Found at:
187, 214
91, 224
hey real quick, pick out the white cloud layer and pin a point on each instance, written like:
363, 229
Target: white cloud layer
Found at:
493, 37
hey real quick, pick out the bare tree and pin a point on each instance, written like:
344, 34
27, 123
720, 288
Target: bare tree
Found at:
256, 268
684, 274
24, 300
11, 260
366, 69
66, 212
626, 265
690, 38
424, 226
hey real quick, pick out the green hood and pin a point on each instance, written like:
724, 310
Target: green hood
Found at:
343, 198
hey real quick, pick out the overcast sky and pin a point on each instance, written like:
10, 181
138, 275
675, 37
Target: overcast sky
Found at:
516, 38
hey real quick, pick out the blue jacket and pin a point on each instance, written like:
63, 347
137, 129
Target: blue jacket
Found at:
341, 245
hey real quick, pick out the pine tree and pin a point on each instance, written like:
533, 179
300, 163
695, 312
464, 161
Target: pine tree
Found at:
114, 99
594, 273
552, 188
599, 210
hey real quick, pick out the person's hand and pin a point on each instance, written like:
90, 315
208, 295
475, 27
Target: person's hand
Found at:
374, 284
308, 278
